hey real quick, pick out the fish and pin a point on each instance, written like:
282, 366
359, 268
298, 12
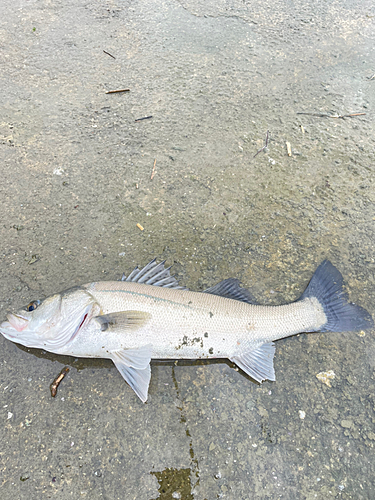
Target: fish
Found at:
148, 315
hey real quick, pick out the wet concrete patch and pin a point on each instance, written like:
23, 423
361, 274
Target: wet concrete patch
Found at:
174, 484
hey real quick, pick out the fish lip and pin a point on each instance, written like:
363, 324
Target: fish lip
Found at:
16, 322
5, 326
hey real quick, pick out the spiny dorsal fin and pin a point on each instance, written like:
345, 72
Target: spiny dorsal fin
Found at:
231, 289
154, 274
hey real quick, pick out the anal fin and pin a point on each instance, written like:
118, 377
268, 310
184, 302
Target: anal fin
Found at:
258, 363
134, 366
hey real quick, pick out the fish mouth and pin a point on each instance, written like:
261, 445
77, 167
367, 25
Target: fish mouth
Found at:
16, 322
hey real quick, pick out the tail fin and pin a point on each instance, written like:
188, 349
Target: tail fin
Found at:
327, 286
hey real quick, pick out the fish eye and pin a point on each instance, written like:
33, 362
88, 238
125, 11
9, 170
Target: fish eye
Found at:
33, 305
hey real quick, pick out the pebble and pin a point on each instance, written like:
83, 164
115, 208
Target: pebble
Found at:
347, 424
326, 377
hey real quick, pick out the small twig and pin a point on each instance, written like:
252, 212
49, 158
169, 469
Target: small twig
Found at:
144, 118
108, 54
321, 115
116, 91
264, 147
153, 170
348, 116
371, 77
55, 384
267, 137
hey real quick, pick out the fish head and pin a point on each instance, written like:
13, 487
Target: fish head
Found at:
53, 323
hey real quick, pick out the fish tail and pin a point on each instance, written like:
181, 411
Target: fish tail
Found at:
327, 286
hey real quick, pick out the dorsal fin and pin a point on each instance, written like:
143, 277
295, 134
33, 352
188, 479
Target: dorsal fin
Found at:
154, 274
231, 289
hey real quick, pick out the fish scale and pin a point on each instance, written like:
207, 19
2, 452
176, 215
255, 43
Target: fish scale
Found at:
180, 318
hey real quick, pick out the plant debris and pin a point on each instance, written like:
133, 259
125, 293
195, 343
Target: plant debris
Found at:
108, 54
117, 91
34, 258
264, 147
325, 115
144, 118
55, 384
153, 170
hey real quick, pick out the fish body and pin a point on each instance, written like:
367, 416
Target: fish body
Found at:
148, 315
181, 324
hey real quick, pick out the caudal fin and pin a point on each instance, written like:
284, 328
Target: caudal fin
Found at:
327, 286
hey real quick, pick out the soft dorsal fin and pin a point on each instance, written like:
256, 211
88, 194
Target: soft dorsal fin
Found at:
134, 366
231, 289
154, 274
258, 363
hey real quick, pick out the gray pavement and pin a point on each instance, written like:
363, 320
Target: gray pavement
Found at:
75, 182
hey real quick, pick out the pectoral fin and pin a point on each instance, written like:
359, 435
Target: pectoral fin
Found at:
258, 363
123, 320
134, 366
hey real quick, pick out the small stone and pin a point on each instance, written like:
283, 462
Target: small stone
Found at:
250, 405
302, 414
347, 424
326, 377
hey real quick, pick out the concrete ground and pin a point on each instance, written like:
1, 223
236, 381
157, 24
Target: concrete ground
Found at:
76, 180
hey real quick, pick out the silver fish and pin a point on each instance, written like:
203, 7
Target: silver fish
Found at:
148, 315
